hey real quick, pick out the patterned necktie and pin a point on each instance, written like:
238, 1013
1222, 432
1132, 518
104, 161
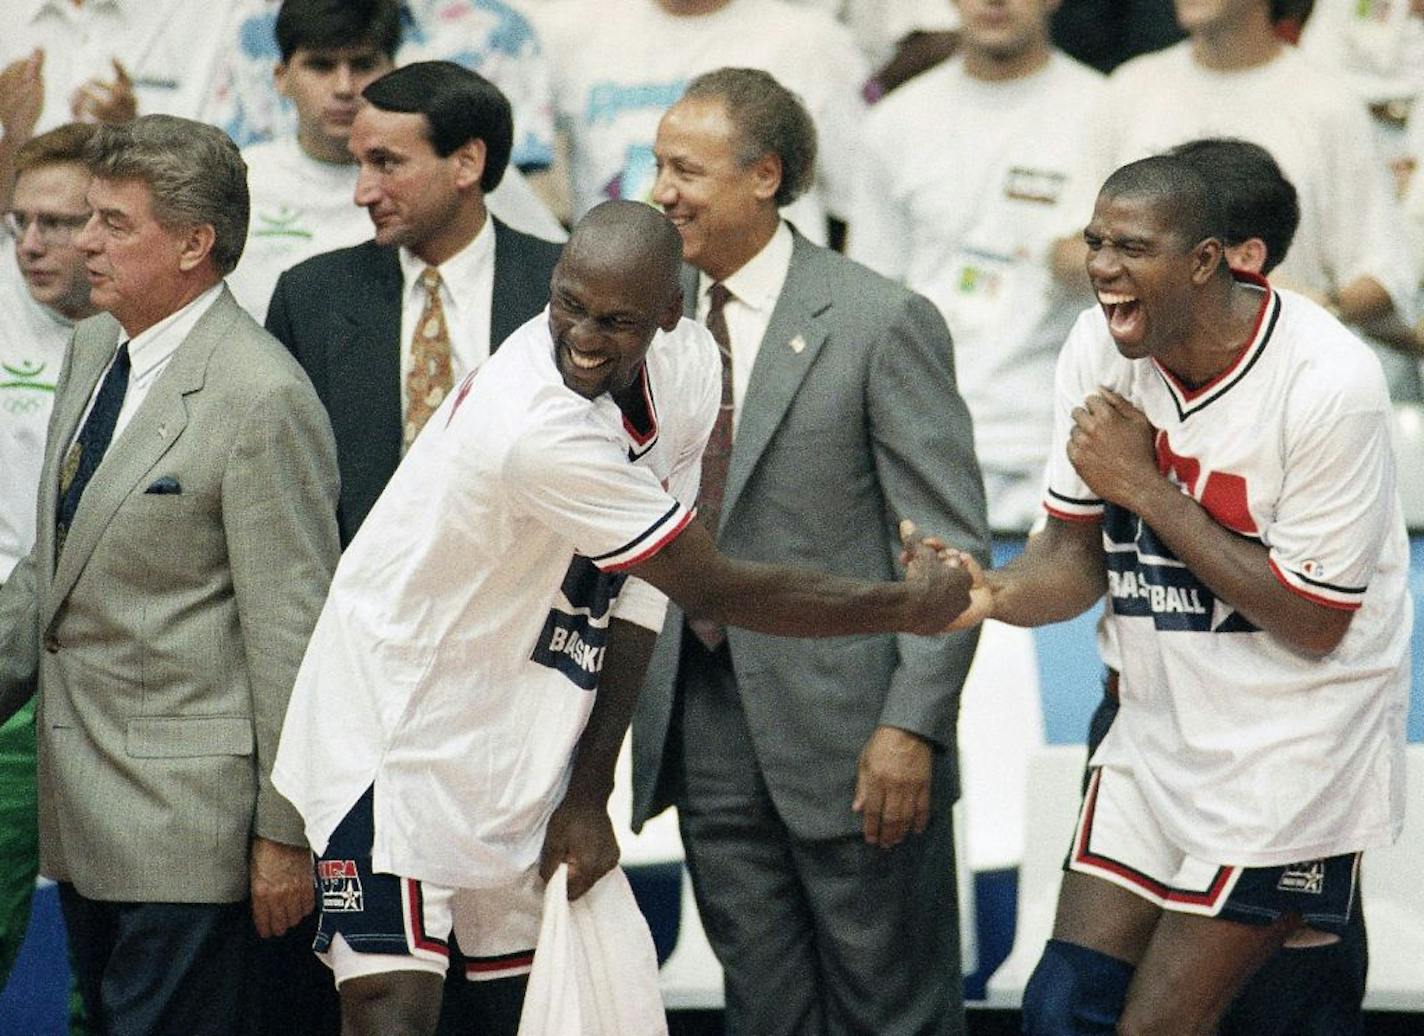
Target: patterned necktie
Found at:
718, 454
430, 375
87, 450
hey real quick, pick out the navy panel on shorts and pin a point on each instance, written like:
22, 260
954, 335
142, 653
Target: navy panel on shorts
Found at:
364, 906
1321, 891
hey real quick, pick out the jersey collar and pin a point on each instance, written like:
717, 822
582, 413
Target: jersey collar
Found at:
1189, 401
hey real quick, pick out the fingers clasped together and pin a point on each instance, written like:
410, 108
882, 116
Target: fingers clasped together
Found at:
1112, 446
921, 554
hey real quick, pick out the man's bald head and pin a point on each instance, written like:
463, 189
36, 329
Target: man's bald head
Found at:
614, 287
631, 238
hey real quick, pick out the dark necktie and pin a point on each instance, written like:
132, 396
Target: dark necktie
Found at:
718, 454
88, 448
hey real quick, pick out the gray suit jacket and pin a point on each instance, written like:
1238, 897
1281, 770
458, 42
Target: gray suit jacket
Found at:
852, 422
165, 641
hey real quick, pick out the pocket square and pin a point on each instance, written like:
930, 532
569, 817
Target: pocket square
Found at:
165, 486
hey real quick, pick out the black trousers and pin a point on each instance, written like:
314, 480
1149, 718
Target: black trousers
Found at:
159, 969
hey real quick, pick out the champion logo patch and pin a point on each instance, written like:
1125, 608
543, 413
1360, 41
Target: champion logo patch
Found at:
1303, 877
340, 886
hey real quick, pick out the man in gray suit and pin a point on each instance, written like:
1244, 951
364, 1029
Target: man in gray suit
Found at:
813, 779
186, 536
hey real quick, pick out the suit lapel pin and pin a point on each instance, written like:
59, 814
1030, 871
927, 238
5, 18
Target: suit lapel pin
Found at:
798, 344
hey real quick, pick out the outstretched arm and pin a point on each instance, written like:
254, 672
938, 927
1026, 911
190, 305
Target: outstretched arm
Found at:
798, 602
1060, 574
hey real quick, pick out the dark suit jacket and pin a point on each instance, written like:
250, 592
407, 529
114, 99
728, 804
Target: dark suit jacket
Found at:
166, 636
340, 315
851, 422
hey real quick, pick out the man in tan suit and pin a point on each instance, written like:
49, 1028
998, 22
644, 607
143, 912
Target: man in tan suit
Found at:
186, 536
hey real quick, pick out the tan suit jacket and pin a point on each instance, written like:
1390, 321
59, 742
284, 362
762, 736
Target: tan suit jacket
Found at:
165, 640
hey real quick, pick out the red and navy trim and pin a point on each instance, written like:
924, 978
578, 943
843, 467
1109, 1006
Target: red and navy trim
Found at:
502, 965
1341, 598
1073, 509
1208, 900
1190, 400
416, 935
649, 542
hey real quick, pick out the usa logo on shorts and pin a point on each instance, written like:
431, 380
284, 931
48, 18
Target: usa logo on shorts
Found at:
340, 886
1303, 877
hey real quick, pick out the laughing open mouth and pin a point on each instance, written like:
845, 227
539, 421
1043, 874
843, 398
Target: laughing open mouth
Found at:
585, 362
1124, 312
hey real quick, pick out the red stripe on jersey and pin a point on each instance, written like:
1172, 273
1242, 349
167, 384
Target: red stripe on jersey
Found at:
1189, 394
1327, 602
1065, 516
418, 937
654, 548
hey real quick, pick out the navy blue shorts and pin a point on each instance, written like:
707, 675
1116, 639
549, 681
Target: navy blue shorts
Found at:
391, 923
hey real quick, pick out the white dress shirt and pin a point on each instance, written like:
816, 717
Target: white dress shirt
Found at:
755, 288
149, 354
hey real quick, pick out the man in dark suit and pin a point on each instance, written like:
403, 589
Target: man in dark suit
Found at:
186, 537
813, 779
432, 141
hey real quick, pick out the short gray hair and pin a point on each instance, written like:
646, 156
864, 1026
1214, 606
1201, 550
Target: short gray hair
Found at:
769, 118
193, 172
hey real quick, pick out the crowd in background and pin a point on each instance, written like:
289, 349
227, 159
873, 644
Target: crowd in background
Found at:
587, 83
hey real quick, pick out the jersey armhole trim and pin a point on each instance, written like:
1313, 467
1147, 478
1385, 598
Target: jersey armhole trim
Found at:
1070, 516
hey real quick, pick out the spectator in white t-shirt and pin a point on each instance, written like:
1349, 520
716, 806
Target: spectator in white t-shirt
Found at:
490, 37
43, 291
618, 67
303, 185
1233, 77
969, 177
